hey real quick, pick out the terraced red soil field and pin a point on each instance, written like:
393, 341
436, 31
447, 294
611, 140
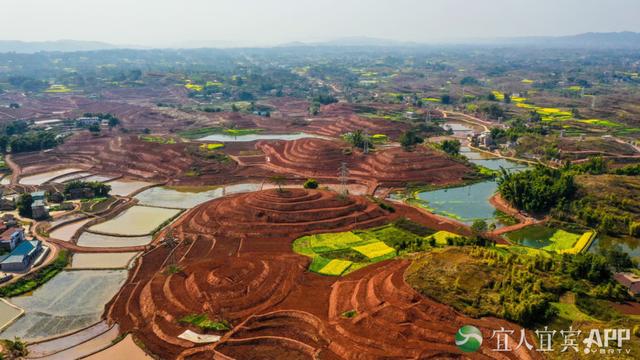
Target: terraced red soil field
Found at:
321, 159
236, 264
132, 157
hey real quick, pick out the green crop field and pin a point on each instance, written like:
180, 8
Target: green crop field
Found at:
442, 236
374, 250
340, 253
335, 267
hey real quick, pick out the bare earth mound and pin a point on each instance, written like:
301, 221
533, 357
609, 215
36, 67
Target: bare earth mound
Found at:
235, 263
132, 157
321, 159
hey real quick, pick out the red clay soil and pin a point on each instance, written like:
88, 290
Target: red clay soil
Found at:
236, 264
389, 167
132, 157
337, 119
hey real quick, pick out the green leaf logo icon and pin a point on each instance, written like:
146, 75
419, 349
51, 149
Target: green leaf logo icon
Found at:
468, 338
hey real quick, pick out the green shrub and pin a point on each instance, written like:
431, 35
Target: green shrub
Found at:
311, 184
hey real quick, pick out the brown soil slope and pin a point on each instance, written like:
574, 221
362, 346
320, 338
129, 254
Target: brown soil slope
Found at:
129, 156
321, 158
236, 264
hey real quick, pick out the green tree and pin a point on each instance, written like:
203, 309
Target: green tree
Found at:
278, 180
479, 226
409, 138
24, 205
451, 147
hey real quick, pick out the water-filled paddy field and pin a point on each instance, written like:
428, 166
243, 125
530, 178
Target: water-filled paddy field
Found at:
136, 221
39, 179
66, 232
8, 313
102, 260
254, 137
99, 240
73, 176
126, 187
70, 301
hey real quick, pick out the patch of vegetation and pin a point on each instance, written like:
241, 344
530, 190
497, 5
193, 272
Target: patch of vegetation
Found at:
520, 288
311, 184
206, 131
13, 349
349, 314
203, 322
211, 146
87, 189
608, 203
157, 139
36, 279
340, 253
536, 190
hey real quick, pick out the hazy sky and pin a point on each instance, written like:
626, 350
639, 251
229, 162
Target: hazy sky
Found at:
269, 22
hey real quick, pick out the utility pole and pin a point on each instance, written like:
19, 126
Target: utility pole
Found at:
366, 142
343, 174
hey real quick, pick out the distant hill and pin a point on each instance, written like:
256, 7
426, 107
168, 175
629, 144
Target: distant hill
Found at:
354, 42
611, 40
29, 47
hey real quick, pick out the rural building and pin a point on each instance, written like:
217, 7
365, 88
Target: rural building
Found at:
88, 121
10, 237
629, 280
39, 210
38, 195
7, 204
22, 256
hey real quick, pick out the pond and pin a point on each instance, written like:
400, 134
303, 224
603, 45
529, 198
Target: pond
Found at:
69, 302
628, 244
497, 163
98, 240
471, 202
544, 237
466, 203
535, 236
102, 260
254, 137
136, 221
461, 128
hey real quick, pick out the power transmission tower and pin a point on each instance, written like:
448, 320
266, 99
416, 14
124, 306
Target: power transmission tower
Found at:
170, 243
343, 174
593, 102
